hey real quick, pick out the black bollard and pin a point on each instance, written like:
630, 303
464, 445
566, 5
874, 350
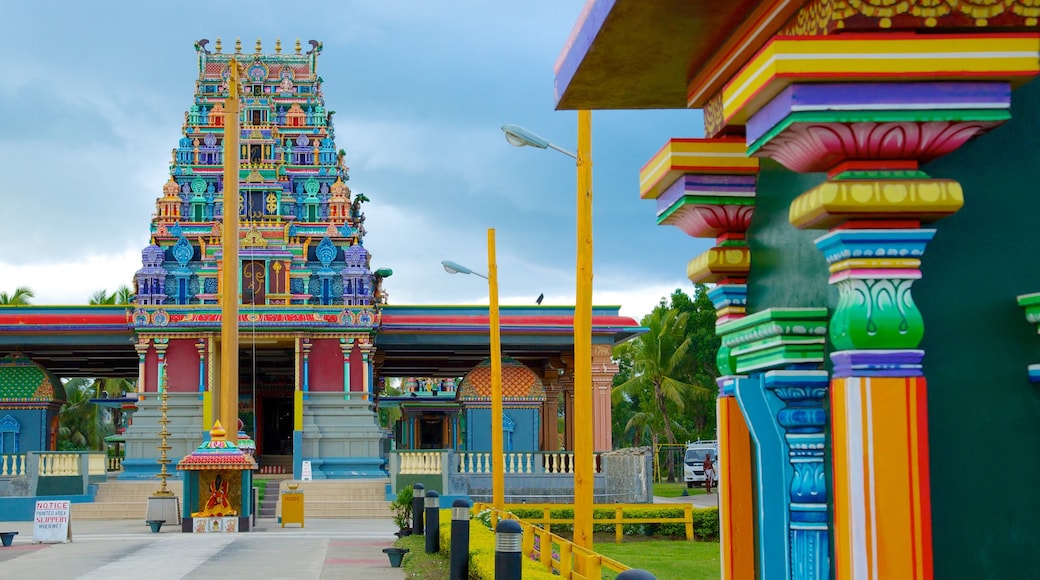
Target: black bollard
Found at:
433, 522
508, 557
635, 575
459, 563
418, 493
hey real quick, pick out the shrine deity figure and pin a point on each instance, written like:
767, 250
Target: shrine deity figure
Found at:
217, 505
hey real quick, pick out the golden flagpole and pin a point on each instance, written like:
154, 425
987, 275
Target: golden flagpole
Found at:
228, 399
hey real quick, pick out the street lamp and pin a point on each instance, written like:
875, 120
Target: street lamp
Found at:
583, 440
498, 459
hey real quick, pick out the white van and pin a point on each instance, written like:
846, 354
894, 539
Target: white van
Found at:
693, 462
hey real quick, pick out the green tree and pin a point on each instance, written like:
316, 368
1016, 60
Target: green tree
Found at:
82, 424
657, 359
20, 297
122, 295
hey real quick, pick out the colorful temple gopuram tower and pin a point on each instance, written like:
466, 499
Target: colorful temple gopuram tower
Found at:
868, 179
307, 307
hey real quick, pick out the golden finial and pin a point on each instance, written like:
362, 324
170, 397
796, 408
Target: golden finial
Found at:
259, 47
219, 45
238, 46
298, 46
278, 45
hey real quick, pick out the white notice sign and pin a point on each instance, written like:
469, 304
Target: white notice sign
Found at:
306, 475
52, 522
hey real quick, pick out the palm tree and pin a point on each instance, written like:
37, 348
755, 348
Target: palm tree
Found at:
79, 419
122, 295
657, 361
19, 297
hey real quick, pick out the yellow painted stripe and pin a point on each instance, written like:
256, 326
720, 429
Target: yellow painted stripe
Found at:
703, 156
207, 409
866, 457
892, 466
918, 58
840, 481
870, 263
298, 410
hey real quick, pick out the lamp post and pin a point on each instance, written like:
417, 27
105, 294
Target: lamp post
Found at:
583, 420
498, 460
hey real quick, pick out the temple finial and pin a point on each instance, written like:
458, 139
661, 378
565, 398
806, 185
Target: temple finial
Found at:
238, 46
298, 47
278, 45
219, 46
259, 46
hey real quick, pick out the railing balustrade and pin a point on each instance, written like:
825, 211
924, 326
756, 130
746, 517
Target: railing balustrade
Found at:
115, 463
12, 465
420, 462
52, 464
521, 462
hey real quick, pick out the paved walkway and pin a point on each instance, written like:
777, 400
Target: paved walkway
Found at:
116, 549
701, 500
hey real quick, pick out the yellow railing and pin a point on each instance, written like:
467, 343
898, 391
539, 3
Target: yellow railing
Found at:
618, 517
558, 554
12, 465
420, 462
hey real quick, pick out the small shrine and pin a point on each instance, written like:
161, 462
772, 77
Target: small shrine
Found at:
30, 399
218, 483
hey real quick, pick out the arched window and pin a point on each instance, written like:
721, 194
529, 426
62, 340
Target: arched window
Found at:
508, 425
9, 431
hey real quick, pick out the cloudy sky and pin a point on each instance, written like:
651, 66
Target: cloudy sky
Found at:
93, 94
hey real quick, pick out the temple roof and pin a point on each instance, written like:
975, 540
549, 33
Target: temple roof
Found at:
24, 381
518, 382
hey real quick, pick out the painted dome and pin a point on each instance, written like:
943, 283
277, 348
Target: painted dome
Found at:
24, 381
518, 382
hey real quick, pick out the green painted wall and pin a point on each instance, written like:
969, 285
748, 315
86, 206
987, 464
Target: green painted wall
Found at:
983, 413
786, 268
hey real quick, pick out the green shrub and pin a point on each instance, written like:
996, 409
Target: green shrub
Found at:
482, 552
706, 524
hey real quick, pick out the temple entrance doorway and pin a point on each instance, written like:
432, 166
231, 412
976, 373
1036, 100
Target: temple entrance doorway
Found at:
265, 389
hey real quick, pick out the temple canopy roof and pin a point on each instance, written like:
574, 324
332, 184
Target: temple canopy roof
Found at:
518, 382
651, 54
24, 381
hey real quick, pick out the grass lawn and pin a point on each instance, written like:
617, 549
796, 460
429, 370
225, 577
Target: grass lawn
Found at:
667, 559
419, 565
675, 489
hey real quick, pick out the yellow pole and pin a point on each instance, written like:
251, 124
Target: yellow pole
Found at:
583, 420
498, 459
229, 274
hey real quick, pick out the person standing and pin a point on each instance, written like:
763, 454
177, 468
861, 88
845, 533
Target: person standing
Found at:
709, 473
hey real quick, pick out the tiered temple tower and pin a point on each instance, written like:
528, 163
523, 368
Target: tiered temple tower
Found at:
308, 295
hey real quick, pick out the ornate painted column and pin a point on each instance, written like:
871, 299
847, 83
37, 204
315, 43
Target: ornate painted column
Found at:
141, 346
781, 350
550, 408
346, 345
706, 187
368, 350
871, 111
202, 347
161, 344
603, 371
567, 386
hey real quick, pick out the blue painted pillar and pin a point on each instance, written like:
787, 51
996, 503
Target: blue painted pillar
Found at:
781, 350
